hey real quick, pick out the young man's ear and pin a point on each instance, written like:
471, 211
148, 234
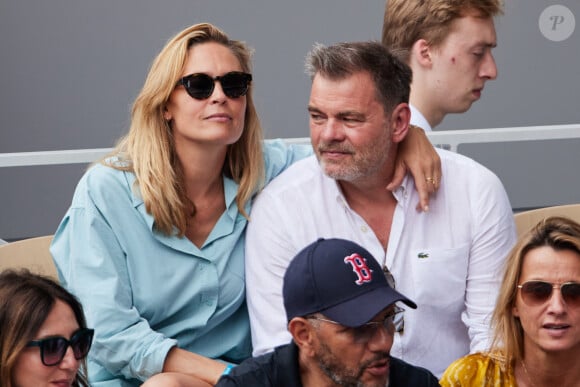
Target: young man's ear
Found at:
421, 53
400, 118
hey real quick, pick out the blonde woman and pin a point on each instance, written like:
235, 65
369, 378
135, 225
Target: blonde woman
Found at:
537, 317
153, 243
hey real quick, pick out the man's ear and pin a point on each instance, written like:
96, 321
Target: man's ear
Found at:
399, 122
421, 53
303, 334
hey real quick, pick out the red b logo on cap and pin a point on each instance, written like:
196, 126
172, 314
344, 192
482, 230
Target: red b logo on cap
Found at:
360, 268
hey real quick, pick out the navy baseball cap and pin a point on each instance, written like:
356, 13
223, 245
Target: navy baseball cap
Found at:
339, 279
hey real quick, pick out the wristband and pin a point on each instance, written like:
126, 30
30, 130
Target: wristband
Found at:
228, 369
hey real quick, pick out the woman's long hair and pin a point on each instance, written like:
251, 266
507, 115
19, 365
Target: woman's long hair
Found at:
558, 233
148, 150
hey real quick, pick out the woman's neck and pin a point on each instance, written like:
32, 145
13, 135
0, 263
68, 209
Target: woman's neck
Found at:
202, 167
549, 369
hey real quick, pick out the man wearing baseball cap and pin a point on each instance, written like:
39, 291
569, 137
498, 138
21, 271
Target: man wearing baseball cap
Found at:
341, 314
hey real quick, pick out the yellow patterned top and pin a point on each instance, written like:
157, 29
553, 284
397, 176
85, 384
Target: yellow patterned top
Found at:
478, 370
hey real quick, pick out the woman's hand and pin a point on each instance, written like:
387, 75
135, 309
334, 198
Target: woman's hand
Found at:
417, 155
174, 379
184, 368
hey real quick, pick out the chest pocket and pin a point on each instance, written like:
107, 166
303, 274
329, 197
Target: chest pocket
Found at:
439, 276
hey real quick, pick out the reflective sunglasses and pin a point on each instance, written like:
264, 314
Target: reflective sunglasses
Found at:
538, 292
400, 323
201, 86
53, 349
365, 332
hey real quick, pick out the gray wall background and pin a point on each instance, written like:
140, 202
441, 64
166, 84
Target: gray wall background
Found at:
71, 68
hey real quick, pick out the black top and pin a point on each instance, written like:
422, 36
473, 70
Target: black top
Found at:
280, 369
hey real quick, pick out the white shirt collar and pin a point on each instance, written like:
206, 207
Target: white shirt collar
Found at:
418, 119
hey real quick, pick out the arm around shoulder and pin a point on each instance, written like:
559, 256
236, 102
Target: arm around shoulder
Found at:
279, 155
417, 155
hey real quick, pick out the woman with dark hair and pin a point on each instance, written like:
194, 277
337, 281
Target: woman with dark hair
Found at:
44, 338
537, 317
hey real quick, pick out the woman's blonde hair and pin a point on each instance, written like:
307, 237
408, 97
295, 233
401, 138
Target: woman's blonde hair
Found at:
148, 150
556, 232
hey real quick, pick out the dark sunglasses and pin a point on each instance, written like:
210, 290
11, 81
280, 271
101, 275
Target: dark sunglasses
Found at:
201, 86
537, 292
53, 349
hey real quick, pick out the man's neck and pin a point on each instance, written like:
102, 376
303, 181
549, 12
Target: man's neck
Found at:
375, 204
359, 194
426, 108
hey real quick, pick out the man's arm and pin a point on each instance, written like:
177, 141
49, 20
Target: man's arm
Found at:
268, 253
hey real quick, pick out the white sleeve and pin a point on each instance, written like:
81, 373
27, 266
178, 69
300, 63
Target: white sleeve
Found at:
268, 253
494, 235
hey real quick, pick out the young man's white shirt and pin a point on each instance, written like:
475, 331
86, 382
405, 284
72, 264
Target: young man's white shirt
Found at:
418, 119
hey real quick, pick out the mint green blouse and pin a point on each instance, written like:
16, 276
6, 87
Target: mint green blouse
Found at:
145, 292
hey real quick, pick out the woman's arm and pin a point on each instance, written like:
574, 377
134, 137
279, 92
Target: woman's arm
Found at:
92, 264
184, 362
106, 255
417, 155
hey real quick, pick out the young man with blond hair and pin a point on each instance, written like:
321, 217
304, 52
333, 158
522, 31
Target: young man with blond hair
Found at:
447, 44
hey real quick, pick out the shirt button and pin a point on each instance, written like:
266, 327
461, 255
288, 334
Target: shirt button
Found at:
364, 228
